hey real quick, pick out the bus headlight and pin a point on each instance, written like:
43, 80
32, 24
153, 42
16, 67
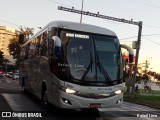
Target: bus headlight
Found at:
67, 90
118, 92
70, 91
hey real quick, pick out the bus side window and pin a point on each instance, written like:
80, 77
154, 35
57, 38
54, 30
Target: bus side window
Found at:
38, 46
54, 68
26, 51
22, 53
44, 45
32, 49
52, 32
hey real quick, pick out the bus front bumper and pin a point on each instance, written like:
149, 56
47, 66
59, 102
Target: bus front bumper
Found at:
73, 101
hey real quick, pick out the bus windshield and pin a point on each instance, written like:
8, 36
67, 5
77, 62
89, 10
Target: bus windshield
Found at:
91, 58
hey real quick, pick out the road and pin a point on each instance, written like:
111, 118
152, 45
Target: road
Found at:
13, 100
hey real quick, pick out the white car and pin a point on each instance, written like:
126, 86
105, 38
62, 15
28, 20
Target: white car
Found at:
10, 74
16, 76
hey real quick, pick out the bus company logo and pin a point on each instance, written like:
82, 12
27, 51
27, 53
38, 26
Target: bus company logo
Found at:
6, 114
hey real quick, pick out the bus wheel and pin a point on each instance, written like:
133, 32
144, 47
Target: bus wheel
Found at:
44, 97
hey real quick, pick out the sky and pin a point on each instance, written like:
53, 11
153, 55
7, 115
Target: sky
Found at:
38, 13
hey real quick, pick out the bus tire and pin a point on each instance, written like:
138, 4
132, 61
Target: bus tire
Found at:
44, 95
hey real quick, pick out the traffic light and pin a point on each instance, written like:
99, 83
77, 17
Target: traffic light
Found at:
126, 61
21, 39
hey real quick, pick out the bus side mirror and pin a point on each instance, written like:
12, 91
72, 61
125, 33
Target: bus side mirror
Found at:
57, 45
131, 53
21, 39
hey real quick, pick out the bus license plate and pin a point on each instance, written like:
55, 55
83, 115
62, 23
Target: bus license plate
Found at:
95, 105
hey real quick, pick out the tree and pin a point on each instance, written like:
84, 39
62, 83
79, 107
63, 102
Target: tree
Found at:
14, 47
26, 32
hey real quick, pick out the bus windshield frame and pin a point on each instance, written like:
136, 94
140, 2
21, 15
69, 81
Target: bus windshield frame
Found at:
90, 59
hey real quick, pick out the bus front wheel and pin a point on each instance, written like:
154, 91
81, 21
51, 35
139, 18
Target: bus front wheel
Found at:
44, 96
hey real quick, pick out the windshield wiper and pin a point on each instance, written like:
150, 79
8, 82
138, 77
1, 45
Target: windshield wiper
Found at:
100, 66
102, 69
89, 67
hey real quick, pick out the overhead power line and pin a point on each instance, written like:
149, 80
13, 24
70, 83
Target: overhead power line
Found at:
127, 38
151, 35
10, 23
136, 36
149, 4
60, 3
143, 3
152, 26
150, 40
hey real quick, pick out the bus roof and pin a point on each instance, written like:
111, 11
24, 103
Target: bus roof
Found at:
75, 26
82, 27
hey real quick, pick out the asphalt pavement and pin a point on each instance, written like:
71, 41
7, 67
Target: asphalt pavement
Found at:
7, 88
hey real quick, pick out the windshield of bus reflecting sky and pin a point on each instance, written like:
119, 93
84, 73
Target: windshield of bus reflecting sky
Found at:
91, 58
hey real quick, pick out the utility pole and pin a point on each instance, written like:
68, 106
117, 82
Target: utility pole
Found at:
81, 13
146, 66
137, 54
118, 20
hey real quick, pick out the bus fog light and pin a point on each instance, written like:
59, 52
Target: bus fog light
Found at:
66, 101
119, 101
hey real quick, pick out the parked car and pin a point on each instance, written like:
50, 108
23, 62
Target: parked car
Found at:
10, 74
16, 76
1, 73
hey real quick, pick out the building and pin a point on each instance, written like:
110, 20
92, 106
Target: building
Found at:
6, 33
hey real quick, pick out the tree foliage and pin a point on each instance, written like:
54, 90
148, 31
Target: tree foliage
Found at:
14, 47
26, 31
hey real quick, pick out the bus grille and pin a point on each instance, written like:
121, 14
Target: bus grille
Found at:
95, 96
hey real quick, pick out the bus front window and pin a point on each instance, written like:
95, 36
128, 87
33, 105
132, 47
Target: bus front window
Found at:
79, 54
90, 58
106, 49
